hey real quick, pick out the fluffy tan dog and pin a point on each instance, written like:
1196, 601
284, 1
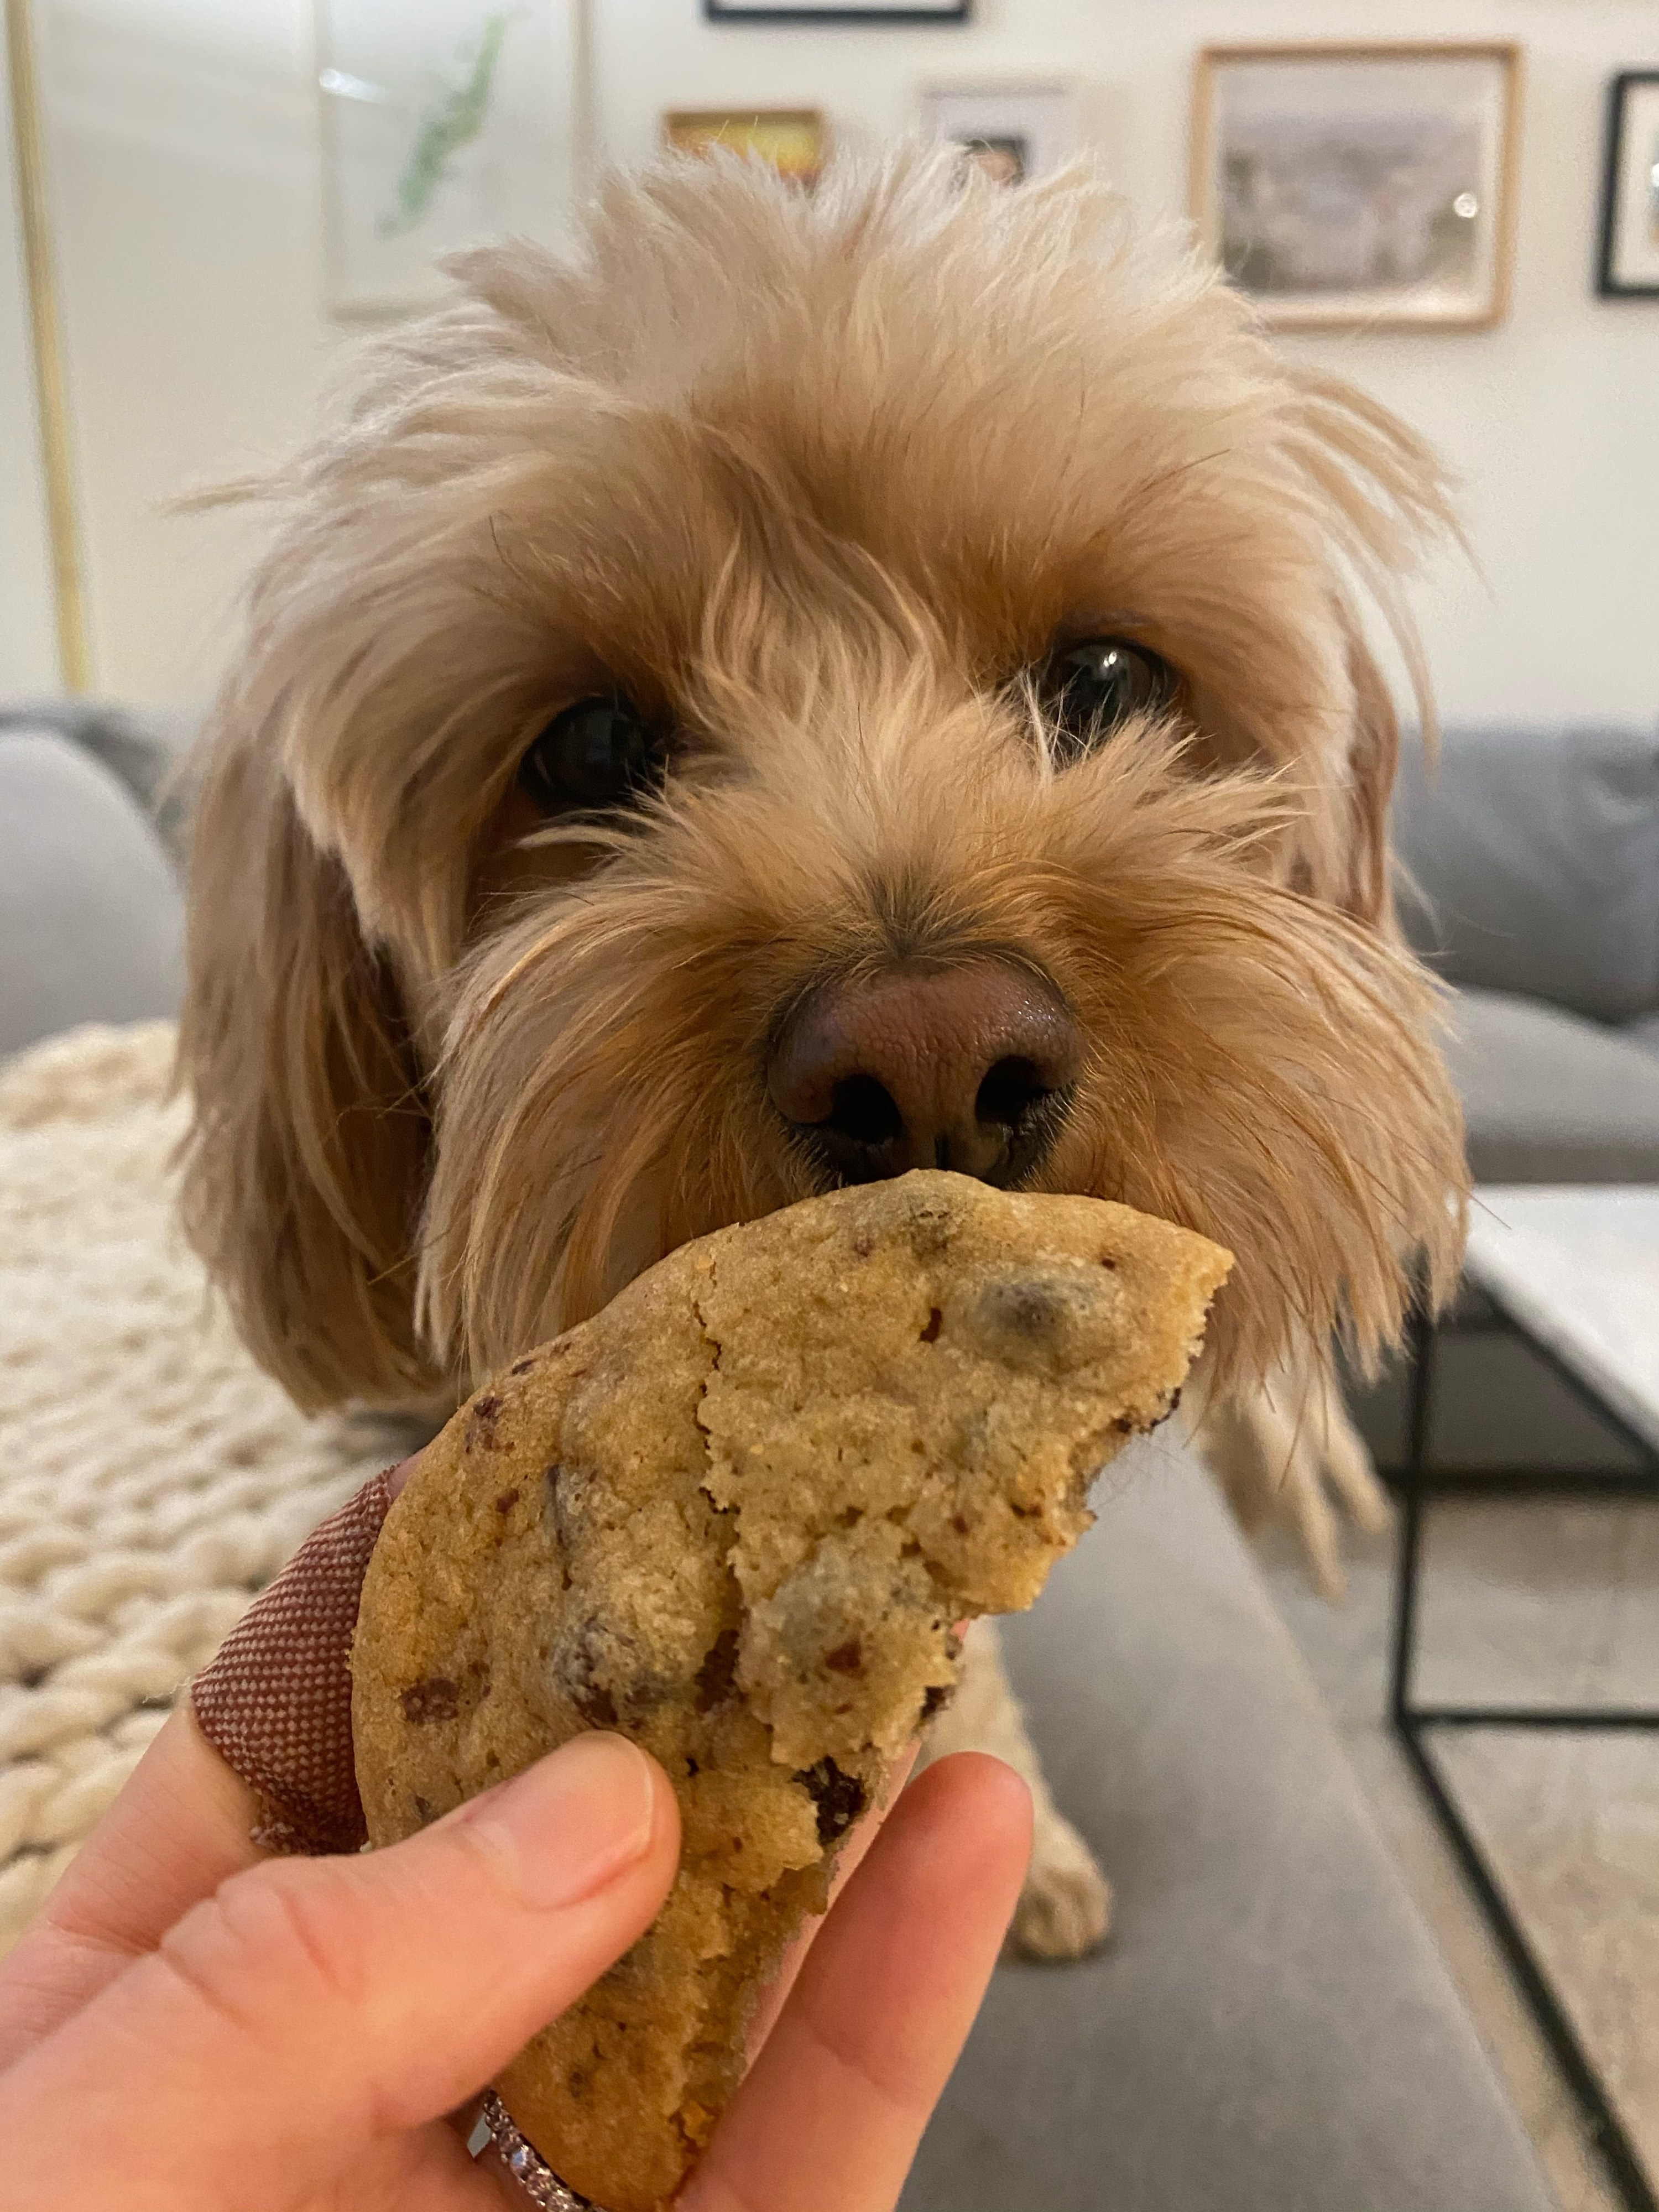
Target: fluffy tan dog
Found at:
806, 687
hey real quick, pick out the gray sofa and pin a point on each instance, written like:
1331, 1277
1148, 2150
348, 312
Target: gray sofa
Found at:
1271, 2028
1532, 860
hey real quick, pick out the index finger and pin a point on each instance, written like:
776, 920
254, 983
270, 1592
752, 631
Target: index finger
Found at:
830, 2115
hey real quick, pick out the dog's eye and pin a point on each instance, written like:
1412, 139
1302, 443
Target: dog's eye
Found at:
1092, 686
600, 752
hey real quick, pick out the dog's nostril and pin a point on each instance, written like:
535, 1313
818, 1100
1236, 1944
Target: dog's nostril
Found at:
863, 1110
1009, 1091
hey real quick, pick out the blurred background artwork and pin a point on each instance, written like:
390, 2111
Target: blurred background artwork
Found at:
1359, 184
792, 139
443, 121
1013, 131
1629, 266
227, 194
837, 11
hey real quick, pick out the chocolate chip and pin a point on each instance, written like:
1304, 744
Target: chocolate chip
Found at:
1031, 1311
959, 1523
521, 1367
935, 1698
507, 1501
437, 1699
847, 1658
935, 1323
563, 1491
595, 1704
481, 1423
1169, 1405
718, 1675
840, 1798
422, 1810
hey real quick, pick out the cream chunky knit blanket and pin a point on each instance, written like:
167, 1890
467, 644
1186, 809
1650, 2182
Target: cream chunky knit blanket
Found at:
151, 1478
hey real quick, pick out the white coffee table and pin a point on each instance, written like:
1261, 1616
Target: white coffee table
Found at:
1575, 1270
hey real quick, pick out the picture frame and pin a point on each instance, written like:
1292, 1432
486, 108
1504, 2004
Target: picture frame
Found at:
1015, 128
1357, 186
444, 121
837, 11
53, 426
794, 140
1627, 253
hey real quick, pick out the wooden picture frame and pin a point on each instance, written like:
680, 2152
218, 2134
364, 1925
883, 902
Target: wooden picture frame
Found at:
52, 398
794, 140
1628, 249
1348, 185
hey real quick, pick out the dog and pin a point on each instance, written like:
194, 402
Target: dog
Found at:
802, 688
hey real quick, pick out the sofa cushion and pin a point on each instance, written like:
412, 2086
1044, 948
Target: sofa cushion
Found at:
1535, 858
1644, 1031
146, 748
1551, 1098
91, 913
1270, 2024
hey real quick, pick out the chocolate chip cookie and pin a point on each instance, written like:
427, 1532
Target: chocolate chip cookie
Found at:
740, 1515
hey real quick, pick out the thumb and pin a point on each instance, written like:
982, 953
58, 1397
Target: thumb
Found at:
313, 2006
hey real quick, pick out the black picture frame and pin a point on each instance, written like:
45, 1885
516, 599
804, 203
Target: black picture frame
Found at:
905, 11
1607, 285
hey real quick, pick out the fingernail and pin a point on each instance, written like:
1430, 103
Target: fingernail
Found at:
571, 1823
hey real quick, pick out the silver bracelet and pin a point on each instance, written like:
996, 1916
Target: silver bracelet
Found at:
526, 2163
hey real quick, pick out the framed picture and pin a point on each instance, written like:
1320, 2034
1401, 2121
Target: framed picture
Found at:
837, 11
1350, 187
1628, 265
444, 121
792, 139
1013, 130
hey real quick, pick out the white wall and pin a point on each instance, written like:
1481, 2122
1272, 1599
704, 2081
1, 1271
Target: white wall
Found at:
183, 181
186, 202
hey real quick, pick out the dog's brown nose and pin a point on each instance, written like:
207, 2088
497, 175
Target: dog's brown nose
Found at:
970, 1068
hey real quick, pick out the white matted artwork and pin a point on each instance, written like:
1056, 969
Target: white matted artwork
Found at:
444, 121
1356, 186
1013, 131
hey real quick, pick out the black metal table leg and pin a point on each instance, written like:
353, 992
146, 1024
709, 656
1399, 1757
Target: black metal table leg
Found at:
1414, 1725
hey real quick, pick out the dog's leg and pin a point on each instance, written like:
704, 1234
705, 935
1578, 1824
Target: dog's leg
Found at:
1065, 1906
1285, 1451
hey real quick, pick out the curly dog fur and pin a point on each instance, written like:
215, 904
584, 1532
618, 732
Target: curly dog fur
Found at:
818, 483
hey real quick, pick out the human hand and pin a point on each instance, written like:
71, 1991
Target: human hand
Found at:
189, 2025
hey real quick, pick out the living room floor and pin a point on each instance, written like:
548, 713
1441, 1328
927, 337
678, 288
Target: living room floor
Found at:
1533, 1601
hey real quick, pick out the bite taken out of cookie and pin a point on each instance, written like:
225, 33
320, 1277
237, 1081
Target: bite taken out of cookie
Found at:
740, 1516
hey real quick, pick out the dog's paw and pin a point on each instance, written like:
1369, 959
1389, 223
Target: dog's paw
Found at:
1065, 1906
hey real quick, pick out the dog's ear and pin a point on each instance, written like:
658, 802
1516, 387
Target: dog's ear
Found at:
1366, 891
307, 1157
1385, 499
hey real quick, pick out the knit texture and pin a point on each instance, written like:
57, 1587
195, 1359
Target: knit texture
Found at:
151, 1479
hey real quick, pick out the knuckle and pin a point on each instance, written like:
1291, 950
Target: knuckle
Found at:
274, 1941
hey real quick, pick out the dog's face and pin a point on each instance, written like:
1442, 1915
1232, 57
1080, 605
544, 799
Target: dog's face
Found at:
821, 687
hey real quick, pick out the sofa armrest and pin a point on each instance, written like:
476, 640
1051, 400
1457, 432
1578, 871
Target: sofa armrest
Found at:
91, 912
